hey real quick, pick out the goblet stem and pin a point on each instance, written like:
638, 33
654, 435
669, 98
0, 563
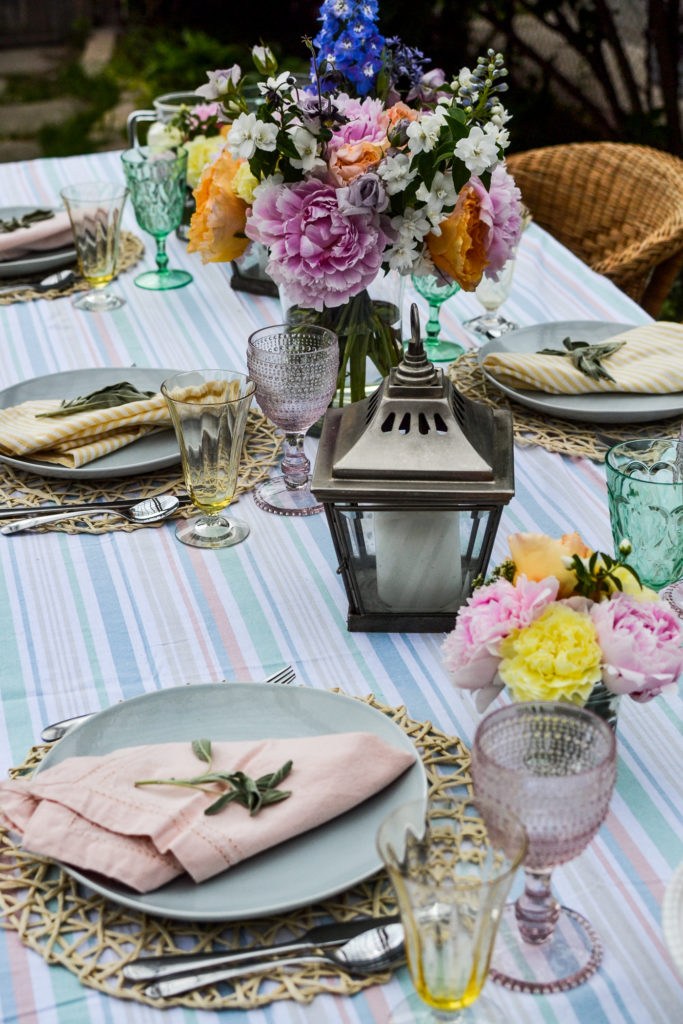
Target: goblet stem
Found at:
295, 465
433, 324
537, 910
162, 257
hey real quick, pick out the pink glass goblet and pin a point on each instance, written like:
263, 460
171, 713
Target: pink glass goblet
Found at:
554, 765
294, 369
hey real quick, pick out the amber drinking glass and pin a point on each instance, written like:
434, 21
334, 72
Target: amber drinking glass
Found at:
95, 209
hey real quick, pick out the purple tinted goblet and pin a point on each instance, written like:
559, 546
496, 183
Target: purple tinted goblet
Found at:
554, 765
295, 372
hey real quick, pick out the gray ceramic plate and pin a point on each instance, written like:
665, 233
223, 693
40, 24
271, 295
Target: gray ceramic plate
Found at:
596, 408
297, 873
39, 262
149, 454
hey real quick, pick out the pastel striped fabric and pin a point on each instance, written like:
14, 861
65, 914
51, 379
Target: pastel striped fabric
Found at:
650, 362
89, 620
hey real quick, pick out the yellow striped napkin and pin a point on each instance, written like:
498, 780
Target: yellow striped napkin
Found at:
73, 441
651, 362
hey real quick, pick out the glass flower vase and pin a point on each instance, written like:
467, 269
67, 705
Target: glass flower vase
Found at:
604, 704
369, 329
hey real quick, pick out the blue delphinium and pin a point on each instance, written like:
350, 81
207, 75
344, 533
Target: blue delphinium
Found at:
350, 42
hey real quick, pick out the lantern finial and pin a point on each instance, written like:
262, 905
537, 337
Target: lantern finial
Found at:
415, 368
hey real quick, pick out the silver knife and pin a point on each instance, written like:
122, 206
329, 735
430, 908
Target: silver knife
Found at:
85, 506
324, 936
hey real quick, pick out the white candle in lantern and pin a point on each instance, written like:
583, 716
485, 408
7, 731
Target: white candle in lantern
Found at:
418, 559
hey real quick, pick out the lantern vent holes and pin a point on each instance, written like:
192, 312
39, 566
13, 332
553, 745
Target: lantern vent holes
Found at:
404, 425
423, 424
439, 424
458, 406
388, 424
372, 405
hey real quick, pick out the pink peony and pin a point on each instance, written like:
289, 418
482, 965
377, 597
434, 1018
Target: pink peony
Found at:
472, 651
500, 210
321, 255
368, 121
641, 645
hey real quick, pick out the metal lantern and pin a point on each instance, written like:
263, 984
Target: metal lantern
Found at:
413, 480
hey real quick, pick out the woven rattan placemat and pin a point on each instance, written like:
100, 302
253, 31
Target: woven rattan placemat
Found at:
131, 251
260, 453
93, 938
568, 437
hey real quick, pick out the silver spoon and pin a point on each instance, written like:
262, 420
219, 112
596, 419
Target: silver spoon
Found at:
367, 953
150, 510
61, 280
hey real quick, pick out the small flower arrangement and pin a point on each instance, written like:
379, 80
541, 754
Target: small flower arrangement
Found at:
557, 620
377, 164
200, 129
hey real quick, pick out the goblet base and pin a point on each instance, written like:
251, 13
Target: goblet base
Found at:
157, 281
217, 531
492, 325
442, 351
673, 595
413, 1011
275, 496
568, 958
98, 301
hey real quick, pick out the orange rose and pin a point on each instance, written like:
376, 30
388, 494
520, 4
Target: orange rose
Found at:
460, 249
349, 161
217, 226
401, 112
536, 556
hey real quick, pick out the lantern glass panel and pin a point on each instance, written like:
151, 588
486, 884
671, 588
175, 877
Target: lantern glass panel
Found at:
410, 560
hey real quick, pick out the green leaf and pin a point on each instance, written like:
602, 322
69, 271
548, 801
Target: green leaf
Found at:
223, 800
14, 223
103, 398
202, 749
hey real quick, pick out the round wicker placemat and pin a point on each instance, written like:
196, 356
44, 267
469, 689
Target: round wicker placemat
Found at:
568, 437
260, 453
131, 251
94, 938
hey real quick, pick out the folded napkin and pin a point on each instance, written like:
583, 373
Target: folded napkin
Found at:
650, 362
43, 236
87, 811
82, 437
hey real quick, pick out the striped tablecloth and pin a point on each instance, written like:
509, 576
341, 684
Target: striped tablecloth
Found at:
90, 620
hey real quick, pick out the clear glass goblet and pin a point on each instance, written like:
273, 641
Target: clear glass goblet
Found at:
95, 209
209, 412
295, 371
436, 290
452, 870
554, 765
157, 190
492, 293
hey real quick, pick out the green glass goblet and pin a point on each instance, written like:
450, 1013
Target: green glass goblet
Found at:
436, 290
156, 181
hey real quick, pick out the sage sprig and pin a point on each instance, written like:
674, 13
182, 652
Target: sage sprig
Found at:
254, 794
14, 223
585, 357
103, 398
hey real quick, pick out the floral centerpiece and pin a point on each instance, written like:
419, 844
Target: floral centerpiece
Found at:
561, 622
379, 166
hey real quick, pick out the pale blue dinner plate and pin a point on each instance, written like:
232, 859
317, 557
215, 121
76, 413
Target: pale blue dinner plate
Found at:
302, 871
599, 407
148, 455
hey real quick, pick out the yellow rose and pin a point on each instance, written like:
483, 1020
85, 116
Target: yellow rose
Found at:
200, 150
217, 225
536, 556
557, 657
460, 249
629, 585
244, 183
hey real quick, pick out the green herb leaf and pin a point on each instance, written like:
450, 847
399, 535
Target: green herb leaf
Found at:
223, 800
14, 223
202, 749
103, 398
586, 358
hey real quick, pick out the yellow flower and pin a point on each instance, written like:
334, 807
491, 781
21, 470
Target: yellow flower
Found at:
629, 585
536, 556
244, 183
557, 657
200, 150
217, 226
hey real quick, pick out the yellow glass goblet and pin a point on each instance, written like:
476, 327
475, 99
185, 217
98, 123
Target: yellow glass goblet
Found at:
95, 209
452, 870
209, 412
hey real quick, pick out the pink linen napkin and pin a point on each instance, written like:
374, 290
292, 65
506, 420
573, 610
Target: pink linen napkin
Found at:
43, 236
87, 811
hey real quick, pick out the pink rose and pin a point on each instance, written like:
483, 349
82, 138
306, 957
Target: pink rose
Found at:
472, 651
641, 645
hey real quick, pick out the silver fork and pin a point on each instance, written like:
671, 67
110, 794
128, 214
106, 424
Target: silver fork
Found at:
58, 729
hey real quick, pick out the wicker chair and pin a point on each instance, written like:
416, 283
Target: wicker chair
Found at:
618, 207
